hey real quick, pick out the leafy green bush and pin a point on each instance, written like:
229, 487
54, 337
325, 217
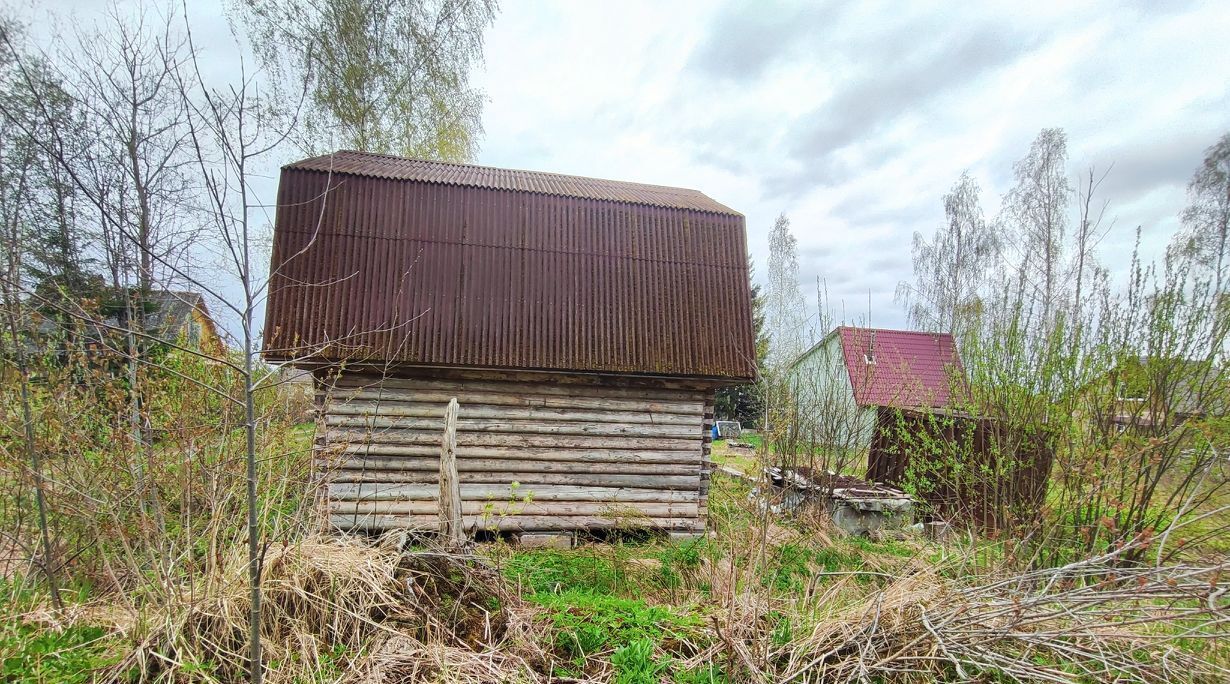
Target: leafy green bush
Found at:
34, 654
634, 663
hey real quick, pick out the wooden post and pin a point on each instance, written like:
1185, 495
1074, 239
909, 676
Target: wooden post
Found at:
450, 489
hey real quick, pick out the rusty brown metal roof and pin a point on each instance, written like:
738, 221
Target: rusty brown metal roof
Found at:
387, 267
467, 175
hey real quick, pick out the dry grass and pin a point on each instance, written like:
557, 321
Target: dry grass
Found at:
345, 607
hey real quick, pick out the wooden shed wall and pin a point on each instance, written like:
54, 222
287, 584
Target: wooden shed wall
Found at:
534, 451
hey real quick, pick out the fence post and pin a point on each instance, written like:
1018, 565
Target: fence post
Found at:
450, 489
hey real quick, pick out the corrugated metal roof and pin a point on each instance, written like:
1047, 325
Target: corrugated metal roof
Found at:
421, 272
907, 369
401, 168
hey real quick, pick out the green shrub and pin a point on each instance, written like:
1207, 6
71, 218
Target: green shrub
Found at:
634, 663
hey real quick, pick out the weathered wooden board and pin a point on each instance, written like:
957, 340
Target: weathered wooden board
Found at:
485, 465
467, 425
582, 452
688, 409
526, 454
465, 439
506, 492
417, 409
627, 511
681, 482
512, 523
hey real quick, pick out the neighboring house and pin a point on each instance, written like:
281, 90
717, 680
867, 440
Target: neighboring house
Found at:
1155, 392
839, 383
570, 317
180, 316
170, 315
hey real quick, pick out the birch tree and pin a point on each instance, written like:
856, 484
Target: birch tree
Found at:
1036, 209
391, 76
951, 266
785, 309
1206, 220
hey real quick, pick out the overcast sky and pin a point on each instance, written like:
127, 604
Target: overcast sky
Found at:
852, 118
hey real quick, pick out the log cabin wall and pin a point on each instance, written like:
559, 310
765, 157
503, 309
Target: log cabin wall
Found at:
535, 451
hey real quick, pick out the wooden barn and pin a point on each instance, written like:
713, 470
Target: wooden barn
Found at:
582, 325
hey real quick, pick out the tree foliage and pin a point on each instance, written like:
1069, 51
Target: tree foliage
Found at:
950, 267
785, 310
391, 76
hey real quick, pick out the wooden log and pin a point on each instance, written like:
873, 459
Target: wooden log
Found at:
450, 505
513, 427
476, 465
703, 386
520, 523
579, 389
506, 492
532, 508
387, 398
390, 436
681, 482
519, 454
512, 413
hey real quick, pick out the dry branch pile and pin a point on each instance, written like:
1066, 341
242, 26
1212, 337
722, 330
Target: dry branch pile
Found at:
1083, 622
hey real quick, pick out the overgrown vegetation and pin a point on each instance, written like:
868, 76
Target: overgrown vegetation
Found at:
158, 519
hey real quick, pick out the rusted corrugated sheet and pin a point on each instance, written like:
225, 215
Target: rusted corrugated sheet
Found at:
376, 268
467, 175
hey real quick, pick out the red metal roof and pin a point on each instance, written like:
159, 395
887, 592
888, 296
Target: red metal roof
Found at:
401, 262
468, 175
908, 369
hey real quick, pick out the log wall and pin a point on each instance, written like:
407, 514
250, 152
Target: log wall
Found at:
535, 452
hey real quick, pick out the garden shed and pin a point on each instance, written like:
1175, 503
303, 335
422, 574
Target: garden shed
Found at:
582, 325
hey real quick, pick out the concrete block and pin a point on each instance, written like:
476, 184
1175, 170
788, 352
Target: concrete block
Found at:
546, 541
686, 537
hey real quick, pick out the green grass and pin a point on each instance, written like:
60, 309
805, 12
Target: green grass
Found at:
33, 653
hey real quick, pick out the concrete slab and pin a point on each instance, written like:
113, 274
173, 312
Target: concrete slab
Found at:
546, 541
686, 537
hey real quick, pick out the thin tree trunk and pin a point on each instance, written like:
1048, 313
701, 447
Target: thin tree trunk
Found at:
36, 461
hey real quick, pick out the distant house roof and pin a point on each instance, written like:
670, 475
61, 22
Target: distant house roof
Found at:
405, 262
900, 368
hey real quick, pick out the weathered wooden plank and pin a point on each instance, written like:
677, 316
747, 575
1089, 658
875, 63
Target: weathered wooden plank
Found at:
636, 481
476, 465
450, 505
347, 381
506, 492
519, 523
396, 397
523, 454
538, 377
511, 413
530, 508
467, 425
466, 439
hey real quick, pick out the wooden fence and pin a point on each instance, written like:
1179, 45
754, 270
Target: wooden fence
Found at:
967, 470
